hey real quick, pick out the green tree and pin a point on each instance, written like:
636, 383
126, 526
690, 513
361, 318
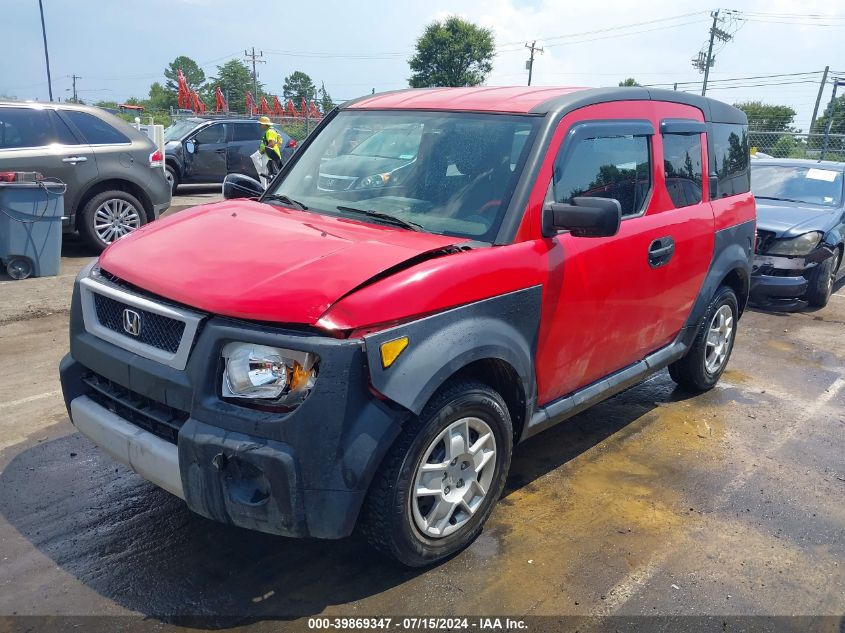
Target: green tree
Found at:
764, 117
194, 75
299, 86
106, 104
326, 102
629, 82
453, 52
234, 79
160, 98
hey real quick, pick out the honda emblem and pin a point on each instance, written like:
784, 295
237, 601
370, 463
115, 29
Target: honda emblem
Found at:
132, 322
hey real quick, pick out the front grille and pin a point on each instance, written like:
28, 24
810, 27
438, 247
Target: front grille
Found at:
328, 182
155, 330
146, 413
764, 239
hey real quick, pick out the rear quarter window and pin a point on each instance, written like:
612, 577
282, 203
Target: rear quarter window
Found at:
730, 159
95, 130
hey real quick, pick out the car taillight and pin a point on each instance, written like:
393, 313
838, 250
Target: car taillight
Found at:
156, 159
20, 176
292, 142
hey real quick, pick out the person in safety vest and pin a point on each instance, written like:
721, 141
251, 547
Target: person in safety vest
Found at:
271, 145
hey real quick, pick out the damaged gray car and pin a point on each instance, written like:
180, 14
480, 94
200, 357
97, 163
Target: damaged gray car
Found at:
800, 229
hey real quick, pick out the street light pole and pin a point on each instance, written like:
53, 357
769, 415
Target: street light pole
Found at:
46, 54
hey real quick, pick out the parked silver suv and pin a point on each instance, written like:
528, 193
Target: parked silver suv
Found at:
114, 174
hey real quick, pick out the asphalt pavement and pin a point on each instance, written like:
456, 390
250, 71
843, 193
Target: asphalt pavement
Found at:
655, 503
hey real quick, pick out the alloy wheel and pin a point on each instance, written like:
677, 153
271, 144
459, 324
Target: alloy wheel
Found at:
719, 337
453, 477
115, 218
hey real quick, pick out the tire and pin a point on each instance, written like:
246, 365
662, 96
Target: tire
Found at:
704, 363
172, 176
392, 518
114, 205
821, 281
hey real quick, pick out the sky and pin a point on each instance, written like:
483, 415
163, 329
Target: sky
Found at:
119, 47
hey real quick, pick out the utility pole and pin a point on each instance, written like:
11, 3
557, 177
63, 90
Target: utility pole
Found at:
704, 61
529, 65
256, 59
46, 54
74, 78
831, 111
819, 97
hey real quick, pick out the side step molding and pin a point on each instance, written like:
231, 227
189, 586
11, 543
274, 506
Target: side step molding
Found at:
563, 408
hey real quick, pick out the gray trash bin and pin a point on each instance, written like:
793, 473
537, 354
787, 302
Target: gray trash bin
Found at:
31, 227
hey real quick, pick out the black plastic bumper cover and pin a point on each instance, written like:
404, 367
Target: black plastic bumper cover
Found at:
301, 473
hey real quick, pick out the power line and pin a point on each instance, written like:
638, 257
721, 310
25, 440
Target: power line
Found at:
256, 59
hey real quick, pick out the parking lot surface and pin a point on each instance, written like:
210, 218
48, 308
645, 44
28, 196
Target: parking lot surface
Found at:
654, 502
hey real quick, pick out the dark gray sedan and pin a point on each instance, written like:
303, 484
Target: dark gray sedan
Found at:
800, 229
206, 150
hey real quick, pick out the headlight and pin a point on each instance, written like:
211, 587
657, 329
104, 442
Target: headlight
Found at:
267, 375
801, 245
374, 181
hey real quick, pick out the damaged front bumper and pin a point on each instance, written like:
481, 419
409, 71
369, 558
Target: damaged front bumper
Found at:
779, 283
299, 473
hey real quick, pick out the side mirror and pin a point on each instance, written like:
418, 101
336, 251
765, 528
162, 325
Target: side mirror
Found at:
585, 217
191, 146
240, 186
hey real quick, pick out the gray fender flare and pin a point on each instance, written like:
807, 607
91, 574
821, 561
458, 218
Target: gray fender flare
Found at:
503, 328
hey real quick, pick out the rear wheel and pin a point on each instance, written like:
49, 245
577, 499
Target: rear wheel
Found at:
821, 281
704, 363
110, 215
441, 479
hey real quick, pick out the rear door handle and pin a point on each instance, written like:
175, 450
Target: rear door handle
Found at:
74, 159
660, 251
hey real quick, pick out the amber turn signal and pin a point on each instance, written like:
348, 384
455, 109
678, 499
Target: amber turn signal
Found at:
391, 349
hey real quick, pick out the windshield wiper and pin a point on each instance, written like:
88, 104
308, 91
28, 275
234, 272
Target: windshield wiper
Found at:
285, 200
386, 217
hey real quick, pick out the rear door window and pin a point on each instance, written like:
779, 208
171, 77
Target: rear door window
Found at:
95, 130
616, 167
682, 165
246, 132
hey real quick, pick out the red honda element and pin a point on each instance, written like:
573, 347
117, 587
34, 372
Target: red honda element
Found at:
364, 344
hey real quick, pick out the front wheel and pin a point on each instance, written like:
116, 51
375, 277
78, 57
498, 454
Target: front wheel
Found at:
172, 177
821, 281
440, 481
705, 361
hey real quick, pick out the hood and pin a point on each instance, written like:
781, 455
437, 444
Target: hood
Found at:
352, 165
261, 262
791, 219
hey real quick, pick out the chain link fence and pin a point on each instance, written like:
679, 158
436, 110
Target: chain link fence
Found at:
782, 140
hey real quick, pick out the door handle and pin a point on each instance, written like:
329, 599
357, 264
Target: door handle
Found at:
74, 159
660, 251
220, 151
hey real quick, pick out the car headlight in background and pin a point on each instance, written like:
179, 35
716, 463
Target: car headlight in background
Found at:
801, 245
267, 375
373, 182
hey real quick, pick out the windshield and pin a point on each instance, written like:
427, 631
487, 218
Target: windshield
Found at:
810, 185
178, 130
449, 173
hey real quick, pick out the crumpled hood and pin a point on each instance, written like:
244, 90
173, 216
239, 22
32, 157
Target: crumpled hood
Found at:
255, 261
791, 219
